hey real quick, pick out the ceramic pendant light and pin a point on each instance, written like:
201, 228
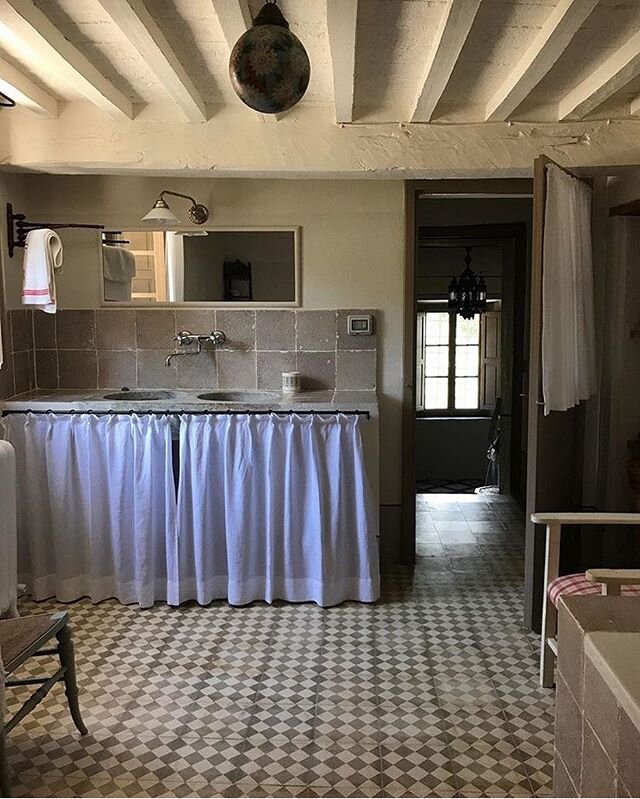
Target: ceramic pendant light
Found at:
269, 67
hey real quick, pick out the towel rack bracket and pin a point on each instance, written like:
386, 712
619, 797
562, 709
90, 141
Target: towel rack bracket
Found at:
18, 226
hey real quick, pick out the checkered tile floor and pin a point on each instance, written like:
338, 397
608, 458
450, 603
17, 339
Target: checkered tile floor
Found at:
431, 692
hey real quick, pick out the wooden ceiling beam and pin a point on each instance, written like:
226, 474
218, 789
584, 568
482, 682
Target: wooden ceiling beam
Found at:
560, 27
612, 75
55, 54
342, 20
137, 24
24, 91
449, 40
234, 18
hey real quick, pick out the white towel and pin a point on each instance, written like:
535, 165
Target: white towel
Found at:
119, 264
42, 260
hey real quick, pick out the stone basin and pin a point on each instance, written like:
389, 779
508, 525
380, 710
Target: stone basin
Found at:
248, 397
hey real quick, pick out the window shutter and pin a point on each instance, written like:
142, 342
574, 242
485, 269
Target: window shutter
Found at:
489, 359
420, 331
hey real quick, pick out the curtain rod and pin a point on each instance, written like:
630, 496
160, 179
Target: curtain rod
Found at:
75, 412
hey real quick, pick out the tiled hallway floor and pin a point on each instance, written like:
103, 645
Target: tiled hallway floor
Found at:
432, 692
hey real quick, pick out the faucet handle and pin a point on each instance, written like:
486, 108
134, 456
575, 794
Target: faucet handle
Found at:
184, 337
217, 337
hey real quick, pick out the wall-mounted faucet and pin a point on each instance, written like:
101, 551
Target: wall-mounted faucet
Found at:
185, 338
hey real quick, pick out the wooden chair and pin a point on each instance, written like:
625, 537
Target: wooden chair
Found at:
610, 582
20, 639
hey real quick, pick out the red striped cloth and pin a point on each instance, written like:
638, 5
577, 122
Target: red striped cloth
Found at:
570, 584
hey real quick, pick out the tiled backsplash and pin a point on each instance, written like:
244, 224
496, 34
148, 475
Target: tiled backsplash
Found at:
126, 347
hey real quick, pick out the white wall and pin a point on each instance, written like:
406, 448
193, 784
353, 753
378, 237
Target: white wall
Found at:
352, 242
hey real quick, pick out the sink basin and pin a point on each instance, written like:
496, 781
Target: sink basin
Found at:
136, 396
249, 397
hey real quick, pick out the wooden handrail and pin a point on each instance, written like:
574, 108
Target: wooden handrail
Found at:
585, 518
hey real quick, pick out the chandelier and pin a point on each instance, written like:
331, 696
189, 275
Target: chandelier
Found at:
468, 293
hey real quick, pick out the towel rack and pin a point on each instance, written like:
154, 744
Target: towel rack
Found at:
18, 226
110, 241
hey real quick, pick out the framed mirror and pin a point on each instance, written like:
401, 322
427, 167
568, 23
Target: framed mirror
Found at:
214, 266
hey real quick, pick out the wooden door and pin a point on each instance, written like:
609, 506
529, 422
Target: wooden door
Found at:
554, 442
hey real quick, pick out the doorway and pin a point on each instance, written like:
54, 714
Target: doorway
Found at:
468, 375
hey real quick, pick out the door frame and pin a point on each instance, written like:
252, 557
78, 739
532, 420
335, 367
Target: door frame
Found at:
481, 188
511, 239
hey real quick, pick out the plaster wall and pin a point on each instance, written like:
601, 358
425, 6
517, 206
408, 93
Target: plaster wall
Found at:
352, 241
308, 143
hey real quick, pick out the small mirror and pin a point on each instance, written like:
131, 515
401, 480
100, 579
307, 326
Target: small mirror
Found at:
241, 266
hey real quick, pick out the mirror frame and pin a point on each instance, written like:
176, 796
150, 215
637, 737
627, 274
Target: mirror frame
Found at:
297, 256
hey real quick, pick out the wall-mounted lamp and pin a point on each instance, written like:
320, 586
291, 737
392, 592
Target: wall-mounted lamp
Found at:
163, 215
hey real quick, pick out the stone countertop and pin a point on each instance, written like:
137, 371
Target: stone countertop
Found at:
187, 400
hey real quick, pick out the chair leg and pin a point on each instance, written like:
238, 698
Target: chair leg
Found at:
67, 659
5, 790
547, 656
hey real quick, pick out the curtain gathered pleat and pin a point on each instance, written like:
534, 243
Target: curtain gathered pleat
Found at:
568, 332
96, 505
274, 508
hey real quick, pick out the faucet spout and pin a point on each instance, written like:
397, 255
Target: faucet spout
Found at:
184, 338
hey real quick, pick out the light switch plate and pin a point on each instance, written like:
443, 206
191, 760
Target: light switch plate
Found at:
360, 324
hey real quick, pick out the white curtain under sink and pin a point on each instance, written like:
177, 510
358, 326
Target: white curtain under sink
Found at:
96, 505
267, 508
274, 508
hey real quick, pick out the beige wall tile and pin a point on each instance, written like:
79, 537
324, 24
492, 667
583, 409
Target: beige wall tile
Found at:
562, 784
21, 338
568, 730
316, 330
116, 330
23, 371
155, 329
571, 652
236, 370
356, 370
44, 330
7, 385
628, 765
195, 320
239, 327
78, 368
275, 330
197, 371
116, 369
317, 370
152, 371
601, 709
346, 342
46, 368
76, 330
271, 365
598, 775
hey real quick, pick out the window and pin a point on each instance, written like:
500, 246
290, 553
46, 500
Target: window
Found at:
457, 361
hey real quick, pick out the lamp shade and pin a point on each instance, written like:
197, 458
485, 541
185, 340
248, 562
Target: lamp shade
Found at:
161, 214
269, 68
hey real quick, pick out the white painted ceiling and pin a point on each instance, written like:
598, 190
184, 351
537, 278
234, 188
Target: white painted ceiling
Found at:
392, 47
